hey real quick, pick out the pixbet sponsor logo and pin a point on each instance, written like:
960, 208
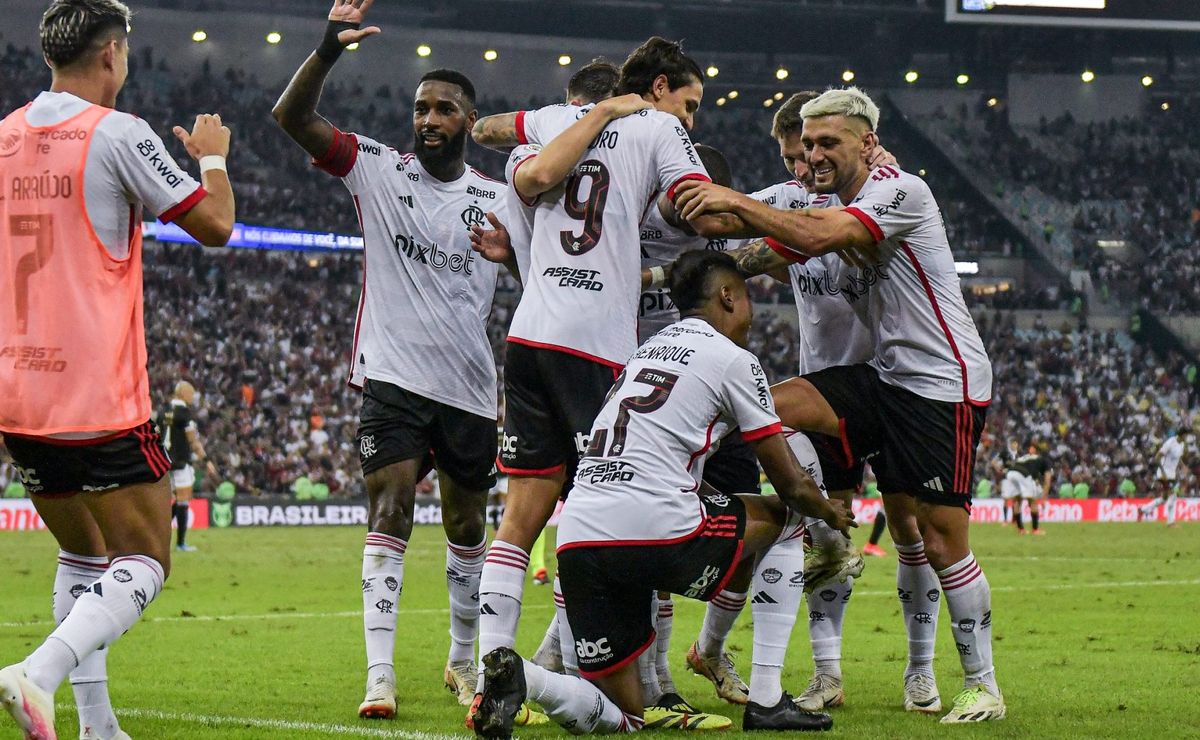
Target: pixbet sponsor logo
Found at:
433, 255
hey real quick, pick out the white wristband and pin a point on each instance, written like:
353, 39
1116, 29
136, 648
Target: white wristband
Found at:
212, 162
658, 276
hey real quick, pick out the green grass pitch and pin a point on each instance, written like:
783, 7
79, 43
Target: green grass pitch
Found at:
259, 634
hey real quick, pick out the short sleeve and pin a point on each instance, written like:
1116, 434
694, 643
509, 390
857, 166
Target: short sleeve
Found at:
353, 158
676, 158
519, 156
784, 195
893, 203
148, 173
748, 398
541, 125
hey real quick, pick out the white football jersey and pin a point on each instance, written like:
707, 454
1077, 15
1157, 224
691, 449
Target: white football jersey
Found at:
519, 211
662, 244
426, 295
682, 391
1170, 455
925, 339
581, 293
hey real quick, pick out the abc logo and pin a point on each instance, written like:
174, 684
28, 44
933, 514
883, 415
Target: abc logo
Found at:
588, 649
507, 443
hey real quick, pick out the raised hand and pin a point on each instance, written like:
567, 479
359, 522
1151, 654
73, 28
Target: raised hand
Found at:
208, 137
352, 11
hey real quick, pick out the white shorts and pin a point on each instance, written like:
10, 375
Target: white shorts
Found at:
1167, 476
1017, 485
185, 478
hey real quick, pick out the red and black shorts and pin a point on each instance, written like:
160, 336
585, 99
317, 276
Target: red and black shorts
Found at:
551, 400
609, 590
395, 424
838, 471
733, 468
919, 446
50, 467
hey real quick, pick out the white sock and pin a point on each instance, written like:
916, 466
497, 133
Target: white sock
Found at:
501, 588
969, 600
89, 681
719, 617
463, 568
774, 606
576, 704
919, 593
382, 583
826, 612
566, 638
1169, 508
551, 643
663, 623
101, 614
647, 668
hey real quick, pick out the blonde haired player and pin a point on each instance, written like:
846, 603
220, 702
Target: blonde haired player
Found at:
181, 440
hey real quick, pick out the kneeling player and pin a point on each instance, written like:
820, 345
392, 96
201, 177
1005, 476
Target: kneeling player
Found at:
637, 520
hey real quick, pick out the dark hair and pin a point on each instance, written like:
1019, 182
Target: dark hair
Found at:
69, 28
454, 77
716, 164
692, 274
657, 57
787, 119
593, 82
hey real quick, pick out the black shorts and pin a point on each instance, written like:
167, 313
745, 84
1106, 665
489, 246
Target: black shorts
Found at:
733, 468
609, 590
396, 425
922, 447
56, 467
840, 471
551, 400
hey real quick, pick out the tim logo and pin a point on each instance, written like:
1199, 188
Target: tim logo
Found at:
588, 649
366, 446
471, 216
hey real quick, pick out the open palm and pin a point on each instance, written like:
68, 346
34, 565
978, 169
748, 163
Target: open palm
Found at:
352, 11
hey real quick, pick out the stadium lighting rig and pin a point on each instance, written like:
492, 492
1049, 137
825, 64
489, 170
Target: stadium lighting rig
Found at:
491, 55
848, 76
911, 76
564, 60
274, 37
712, 70
1088, 75
424, 50
200, 36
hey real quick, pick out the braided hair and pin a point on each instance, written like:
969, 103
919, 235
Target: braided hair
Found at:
69, 28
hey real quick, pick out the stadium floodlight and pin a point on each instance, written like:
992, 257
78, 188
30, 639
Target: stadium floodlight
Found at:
1088, 75
491, 55
564, 60
993, 102
1165, 105
1147, 81
781, 73
274, 37
848, 76
779, 96
911, 76
720, 101
424, 50
732, 95
200, 36
712, 70
352, 46
768, 102
921, 172
963, 79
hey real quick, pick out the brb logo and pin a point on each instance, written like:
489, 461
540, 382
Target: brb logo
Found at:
587, 649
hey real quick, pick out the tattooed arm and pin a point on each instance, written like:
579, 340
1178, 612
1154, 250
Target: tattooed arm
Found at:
497, 132
758, 258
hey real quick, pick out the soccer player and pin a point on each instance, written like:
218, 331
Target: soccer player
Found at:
576, 323
639, 518
181, 440
1170, 456
74, 392
1026, 481
919, 404
429, 379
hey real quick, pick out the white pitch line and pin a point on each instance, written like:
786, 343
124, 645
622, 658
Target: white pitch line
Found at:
272, 724
1063, 587
256, 617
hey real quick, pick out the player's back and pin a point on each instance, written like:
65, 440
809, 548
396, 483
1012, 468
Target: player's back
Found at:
581, 294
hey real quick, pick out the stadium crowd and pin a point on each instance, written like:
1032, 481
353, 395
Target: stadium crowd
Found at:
263, 336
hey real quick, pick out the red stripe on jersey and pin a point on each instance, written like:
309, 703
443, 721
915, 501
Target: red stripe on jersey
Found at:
521, 138
532, 201
179, 208
565, 350
876, 232
341, 155
757, 434
704, 449
691, 176
485, 177
937, 311
362, 299
785, 251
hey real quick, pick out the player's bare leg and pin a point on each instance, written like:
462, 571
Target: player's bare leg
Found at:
968, 598
133, 522
391, 494
463, 518
82, 560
